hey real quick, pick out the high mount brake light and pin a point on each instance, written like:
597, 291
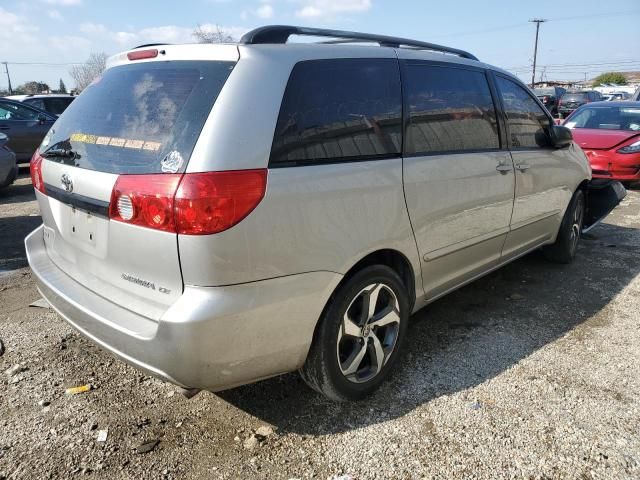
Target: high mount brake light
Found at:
142, 54
190, 203
35, 169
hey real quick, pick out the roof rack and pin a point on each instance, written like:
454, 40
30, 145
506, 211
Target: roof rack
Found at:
281, 33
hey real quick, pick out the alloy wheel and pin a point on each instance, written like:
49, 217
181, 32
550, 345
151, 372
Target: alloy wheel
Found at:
368, 333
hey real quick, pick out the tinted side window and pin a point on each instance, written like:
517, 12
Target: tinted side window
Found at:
340, 109
526, 121
57, 105
36, 102
13, 111
450, 109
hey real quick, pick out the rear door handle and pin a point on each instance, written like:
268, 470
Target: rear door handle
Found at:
503, 168
523, 167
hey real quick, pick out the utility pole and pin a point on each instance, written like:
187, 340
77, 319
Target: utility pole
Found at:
6, 69
537, 21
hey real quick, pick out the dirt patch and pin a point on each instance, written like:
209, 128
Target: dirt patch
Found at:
532, 372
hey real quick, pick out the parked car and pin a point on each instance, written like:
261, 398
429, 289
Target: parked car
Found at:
616, 96
297, 224
8, 165
572, 100
550, 96
25, 125
54, 104
609, 133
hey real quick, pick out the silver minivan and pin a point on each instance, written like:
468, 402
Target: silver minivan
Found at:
220, 214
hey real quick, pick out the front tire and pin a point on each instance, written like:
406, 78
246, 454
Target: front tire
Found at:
359, 336
566, 244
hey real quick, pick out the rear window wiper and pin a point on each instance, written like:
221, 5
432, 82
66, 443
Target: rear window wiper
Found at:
59, 152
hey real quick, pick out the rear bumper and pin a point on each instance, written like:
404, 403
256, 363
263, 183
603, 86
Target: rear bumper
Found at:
211, 338
602, 197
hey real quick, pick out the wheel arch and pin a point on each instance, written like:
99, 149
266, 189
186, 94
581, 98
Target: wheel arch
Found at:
393, 259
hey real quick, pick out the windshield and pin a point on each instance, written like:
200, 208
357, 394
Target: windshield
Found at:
139, 118
606, 118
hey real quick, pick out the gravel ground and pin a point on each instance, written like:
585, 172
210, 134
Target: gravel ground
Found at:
532, 372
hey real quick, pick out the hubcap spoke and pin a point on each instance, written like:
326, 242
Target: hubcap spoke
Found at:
387, 316
378, 352
373, 300
352, 364
349, 327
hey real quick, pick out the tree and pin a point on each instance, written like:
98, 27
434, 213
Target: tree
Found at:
87, 72
62, 88
216, 35
32, 88
610, 77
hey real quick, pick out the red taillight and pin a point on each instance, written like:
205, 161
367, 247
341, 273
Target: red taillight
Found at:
35, 168
189, 204
213, 202
142, 54
145, 200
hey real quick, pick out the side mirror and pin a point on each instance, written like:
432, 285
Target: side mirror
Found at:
560, 136
42, 119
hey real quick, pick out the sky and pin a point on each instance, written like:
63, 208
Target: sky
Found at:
41, 39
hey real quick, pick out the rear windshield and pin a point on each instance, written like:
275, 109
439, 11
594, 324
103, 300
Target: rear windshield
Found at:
544, 91
140, 118
606, 118
574, 97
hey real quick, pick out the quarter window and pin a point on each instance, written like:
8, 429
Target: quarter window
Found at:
339, 110
526, 121
450, 110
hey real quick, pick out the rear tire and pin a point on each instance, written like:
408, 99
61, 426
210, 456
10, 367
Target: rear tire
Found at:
566, 244
359, 336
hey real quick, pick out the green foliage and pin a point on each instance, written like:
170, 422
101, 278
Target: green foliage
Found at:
31, 88
62, 88
610, 77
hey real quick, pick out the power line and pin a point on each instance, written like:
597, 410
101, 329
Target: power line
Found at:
595, 63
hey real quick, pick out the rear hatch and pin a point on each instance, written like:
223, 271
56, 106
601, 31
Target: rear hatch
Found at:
574, 100
140, 120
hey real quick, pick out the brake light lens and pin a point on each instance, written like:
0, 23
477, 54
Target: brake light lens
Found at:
145, 200
35, 169
188, 204
216, 201
142, 54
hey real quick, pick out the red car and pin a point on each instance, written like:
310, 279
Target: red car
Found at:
609, 133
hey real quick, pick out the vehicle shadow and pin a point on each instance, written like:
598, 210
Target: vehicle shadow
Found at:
12, 233
18, 193
467, 337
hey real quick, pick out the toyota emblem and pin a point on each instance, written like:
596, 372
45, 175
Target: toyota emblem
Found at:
66, 183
